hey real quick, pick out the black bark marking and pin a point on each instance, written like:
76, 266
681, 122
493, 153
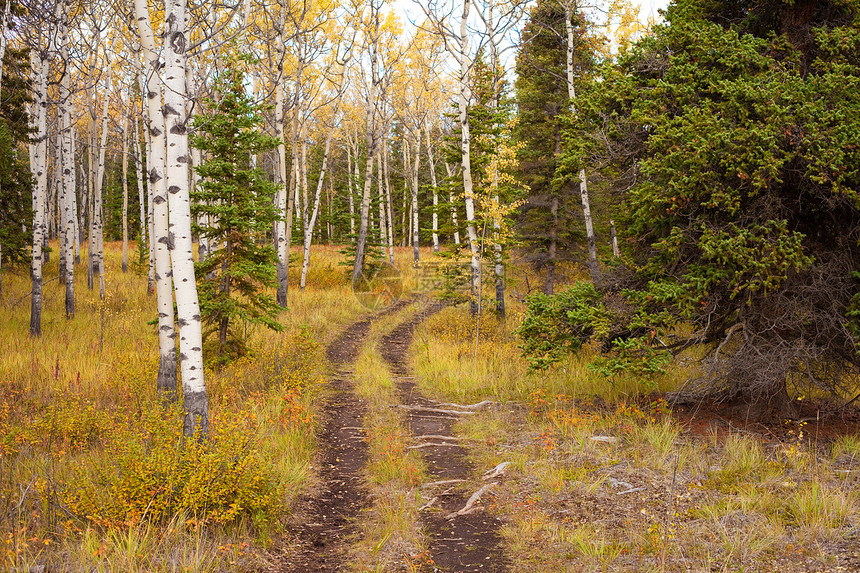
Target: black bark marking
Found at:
177, 42
173, 189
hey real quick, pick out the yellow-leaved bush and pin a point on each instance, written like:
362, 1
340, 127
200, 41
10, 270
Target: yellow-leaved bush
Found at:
261, 416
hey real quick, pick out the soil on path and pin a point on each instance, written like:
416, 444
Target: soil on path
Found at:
464, 543
325, 518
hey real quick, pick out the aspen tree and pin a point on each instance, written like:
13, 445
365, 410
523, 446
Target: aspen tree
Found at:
159, 231
371, 137
180, 240
68, 210
593, 266
124, 160
40, 67
281, 230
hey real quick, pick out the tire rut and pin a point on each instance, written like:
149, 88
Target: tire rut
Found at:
466, 543
325, 518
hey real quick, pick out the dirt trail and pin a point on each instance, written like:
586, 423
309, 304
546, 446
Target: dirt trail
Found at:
464, 543
326, 517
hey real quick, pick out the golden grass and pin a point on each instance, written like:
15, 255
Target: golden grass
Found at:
64, 396
602, 479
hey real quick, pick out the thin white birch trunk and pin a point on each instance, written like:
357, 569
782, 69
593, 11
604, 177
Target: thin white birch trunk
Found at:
593, 265
466, 160
141, 195
450, 173
159, 231
67, 167
371, 138
435, 186
125, 194
281, 197
389, 206
40, 68
350, 181
416, 163
309, 227
98, 223
195, 399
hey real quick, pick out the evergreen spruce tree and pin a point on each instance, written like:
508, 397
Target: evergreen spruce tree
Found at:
15, 177
740, 222
550, 220
238, 202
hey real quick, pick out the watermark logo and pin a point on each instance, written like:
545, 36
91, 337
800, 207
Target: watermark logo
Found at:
380, 286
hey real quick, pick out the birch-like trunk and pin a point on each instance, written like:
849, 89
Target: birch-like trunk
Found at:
125, 194
142, 239
196, 402
380, 193
371, 138
593, 265
416, 163
69, 210
450, 173
160, 236
98, 222
435, 186
349, 185
40, 67
389, 205
466, 161
282, 190
309, 227
615, 251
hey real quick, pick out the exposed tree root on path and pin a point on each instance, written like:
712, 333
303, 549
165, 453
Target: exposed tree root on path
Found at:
461, 538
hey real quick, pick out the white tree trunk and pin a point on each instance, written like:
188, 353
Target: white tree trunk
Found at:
281, 197
68, 201
593, 265
98, 223
371, 137
142, 240
416, 163
389, 205
466, 160
38, 165
196, 402
434, 185
450, 173
159, 231
309, 227
125, 194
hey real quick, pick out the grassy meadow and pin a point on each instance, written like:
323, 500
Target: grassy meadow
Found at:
605, 477
92, 473
602, 474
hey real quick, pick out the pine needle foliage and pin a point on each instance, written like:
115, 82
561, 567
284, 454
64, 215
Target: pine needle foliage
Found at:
236, 199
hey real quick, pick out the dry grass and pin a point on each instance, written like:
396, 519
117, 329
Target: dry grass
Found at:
67, 396
602, 479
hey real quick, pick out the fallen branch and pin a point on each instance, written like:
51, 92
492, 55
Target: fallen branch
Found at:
433, 410
428, 504
432, 445
436, 437
468, 406
443, 482
470, 504
497, 471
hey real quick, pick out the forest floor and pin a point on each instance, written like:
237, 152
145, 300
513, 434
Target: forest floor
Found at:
412, 438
